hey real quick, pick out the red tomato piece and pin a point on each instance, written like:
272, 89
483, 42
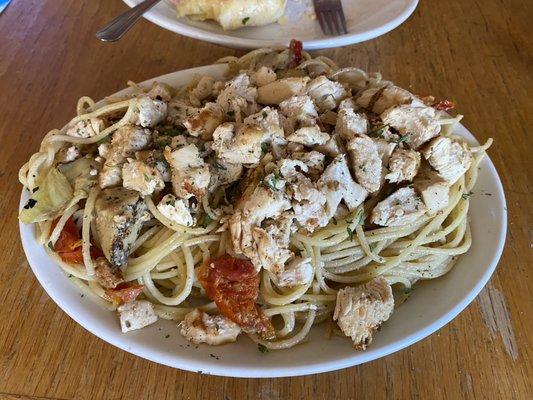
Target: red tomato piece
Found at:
124, 292
233, 284
295, 53
444, 105
69, 244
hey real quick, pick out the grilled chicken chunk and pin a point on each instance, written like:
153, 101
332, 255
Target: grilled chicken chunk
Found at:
280, 90
403, 165
326, 93
366, 162
378, 99
434, 189
136, 315
360, 310
402, 207
451, 159
199, 327
120, 215
107, 275
298, 271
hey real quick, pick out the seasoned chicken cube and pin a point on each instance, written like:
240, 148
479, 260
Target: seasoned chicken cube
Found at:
366, 162
190, 174
120, 215
349, 124
238, 96
309, 136
400, 208
282, 89
125, 142
203, 90
291, 169
378, 99
435, 191
178, 111
85, 128
160, 91
307, 202
68, 154
314, 161
268, 119
385, 149
333, 147
403, 165
299, 111
141, 177
136, 315
263, 76
224, 173
298, 271
199, 327
155, 159
239, 144
450, 158
150, 112
337, 184
107, 276
205, 122
326, 93
416, 124
271, 246
359, 311
175, 210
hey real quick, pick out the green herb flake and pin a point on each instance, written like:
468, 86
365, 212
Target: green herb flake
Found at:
360, 217
379, 130
262, 348
207, 221
264, 147
465, 196
245, 20
272, 182
146, 177
372, 246
407, 290
104, 140
51, 246
173, 131
402, 139
350, 233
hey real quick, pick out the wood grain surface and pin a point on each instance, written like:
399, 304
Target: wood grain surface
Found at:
477, 53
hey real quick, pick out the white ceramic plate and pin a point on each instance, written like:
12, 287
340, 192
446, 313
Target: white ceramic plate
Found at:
431, 305
365, 19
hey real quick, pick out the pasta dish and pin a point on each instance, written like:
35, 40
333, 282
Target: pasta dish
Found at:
290, 193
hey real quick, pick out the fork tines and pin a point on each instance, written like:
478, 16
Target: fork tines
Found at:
330, 16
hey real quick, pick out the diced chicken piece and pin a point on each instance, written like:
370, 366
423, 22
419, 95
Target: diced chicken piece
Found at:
282, 89
309, 136
378, 99
68, 154
359, 311
326, 93
337, 184
349, 124
150, 112
175, 210
385, 149
203, 90
271, 245
400, 208
450, 158
155, 159
290, 169
268, 119
190, 174
178, 111
124, 143
333, 147
403, 165
298, 271
416, 124
85, 128
263, 76
107, 275
141, 177
328, 118
136, 315
366, 162
160, 91
205, 122
120, 215
435, 191
348, 104
314, 161
224, 173
239, 145
299, 111
199, 327
238, 96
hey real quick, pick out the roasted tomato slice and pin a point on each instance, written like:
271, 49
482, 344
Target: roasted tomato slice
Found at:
233, 284
69, 244
124, 292
444, 105
295, 53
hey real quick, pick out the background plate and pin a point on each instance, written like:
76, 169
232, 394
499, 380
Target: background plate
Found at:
365, 19
431, 305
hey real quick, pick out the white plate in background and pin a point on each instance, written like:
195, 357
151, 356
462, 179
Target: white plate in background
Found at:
432, 304
365, 19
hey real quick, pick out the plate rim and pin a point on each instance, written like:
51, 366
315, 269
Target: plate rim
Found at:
245, 43
209, 367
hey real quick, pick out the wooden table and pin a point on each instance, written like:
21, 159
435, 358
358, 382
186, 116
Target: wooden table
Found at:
477, 53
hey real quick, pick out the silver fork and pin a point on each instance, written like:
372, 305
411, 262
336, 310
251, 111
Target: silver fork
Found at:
330, 16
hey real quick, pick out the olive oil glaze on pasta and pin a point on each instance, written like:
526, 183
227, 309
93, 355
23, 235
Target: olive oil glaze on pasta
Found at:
292, 192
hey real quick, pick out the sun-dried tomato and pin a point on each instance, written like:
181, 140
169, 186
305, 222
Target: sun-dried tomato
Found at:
69, 244
233, 284
124, 292
295, 53
444, 105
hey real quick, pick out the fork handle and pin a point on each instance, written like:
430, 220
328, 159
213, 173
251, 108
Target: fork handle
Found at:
120, 25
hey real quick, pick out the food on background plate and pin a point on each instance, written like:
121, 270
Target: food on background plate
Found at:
232, 14
289, 193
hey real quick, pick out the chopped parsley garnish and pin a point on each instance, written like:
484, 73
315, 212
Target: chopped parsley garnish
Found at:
35, 189
173, 131
30, 204
171, 203
372, 246
207, 221
402, 139
465, 196
264, 114
360, 218
350, 233
51, 246
264, 147
262, 348
245, 20
378, 130
407, 290
272, 182
146, 177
